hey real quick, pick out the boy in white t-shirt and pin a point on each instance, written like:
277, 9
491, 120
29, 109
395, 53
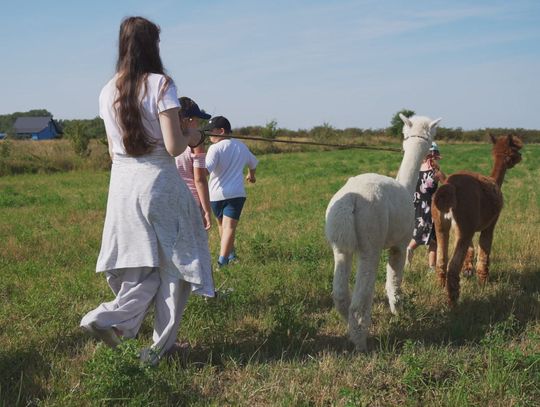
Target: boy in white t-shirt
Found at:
225, 161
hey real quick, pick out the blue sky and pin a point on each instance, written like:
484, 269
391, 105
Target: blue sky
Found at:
302, 63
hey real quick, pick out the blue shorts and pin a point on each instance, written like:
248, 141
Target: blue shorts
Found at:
231, 208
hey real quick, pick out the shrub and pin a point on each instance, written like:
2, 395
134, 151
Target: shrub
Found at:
322, 133
80, 138
270, 131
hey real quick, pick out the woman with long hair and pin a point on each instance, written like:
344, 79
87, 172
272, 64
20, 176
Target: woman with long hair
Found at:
154, 244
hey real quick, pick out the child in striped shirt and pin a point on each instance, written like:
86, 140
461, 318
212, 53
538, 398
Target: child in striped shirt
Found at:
191, 163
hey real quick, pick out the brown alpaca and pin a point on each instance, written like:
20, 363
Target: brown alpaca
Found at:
471, 202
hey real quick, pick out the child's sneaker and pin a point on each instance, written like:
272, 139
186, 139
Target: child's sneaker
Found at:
222, 261
232, 257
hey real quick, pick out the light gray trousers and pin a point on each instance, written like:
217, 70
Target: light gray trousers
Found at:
135, 288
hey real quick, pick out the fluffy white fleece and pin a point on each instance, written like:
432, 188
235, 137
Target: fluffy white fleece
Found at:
372, 212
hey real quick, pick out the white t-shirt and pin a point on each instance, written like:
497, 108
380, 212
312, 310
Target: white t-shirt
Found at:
151, 103
225, 162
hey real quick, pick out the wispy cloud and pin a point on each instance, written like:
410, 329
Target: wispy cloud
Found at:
279, 59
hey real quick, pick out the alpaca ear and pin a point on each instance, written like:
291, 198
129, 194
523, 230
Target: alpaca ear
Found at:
493, 138
515, 141
435, 123
405, 120
510, 139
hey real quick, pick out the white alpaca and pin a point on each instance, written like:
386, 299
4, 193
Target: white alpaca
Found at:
370, 213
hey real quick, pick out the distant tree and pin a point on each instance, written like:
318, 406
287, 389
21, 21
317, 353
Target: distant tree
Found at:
76, 131
323, 132
95, 128
396, 124
270, 131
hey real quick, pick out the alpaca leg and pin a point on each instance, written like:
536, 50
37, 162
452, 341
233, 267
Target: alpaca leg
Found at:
340, 291
362, 300
468, 268
454, 267
484, 250
394, 275
442, 231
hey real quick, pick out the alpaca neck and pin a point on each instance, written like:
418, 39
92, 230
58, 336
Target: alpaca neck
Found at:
498, 171
410, 165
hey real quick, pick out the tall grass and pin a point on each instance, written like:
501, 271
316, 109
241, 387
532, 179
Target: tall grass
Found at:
49, 156
275, 339
27, 156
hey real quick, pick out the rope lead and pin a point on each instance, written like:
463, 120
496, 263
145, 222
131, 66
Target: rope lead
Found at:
312, 143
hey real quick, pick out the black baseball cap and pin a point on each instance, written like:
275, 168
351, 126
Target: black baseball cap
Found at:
188, 108
218, 122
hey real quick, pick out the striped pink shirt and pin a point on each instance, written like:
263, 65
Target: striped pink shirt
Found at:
185, 163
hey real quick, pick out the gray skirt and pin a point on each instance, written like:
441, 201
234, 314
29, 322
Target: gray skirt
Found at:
152, 220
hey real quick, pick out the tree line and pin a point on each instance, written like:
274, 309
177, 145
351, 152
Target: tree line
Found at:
94, 129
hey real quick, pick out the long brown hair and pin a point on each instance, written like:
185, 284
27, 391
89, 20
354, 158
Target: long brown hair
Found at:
138, 55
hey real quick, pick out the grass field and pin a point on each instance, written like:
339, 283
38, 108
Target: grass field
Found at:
276, 339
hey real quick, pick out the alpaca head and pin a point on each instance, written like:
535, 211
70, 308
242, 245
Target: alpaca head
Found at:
419, 131
507, 147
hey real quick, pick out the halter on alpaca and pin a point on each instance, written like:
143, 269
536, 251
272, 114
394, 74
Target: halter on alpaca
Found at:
369, 213
469, 202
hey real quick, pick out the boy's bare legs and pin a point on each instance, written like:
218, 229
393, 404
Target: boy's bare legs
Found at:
220, 228
227, 231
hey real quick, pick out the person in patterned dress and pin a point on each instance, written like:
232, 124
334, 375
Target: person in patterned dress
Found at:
424, 232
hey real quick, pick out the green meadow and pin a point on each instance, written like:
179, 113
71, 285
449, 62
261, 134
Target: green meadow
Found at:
275, 338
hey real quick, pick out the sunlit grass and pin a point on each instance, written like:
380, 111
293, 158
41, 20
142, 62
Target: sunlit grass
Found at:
276, 339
